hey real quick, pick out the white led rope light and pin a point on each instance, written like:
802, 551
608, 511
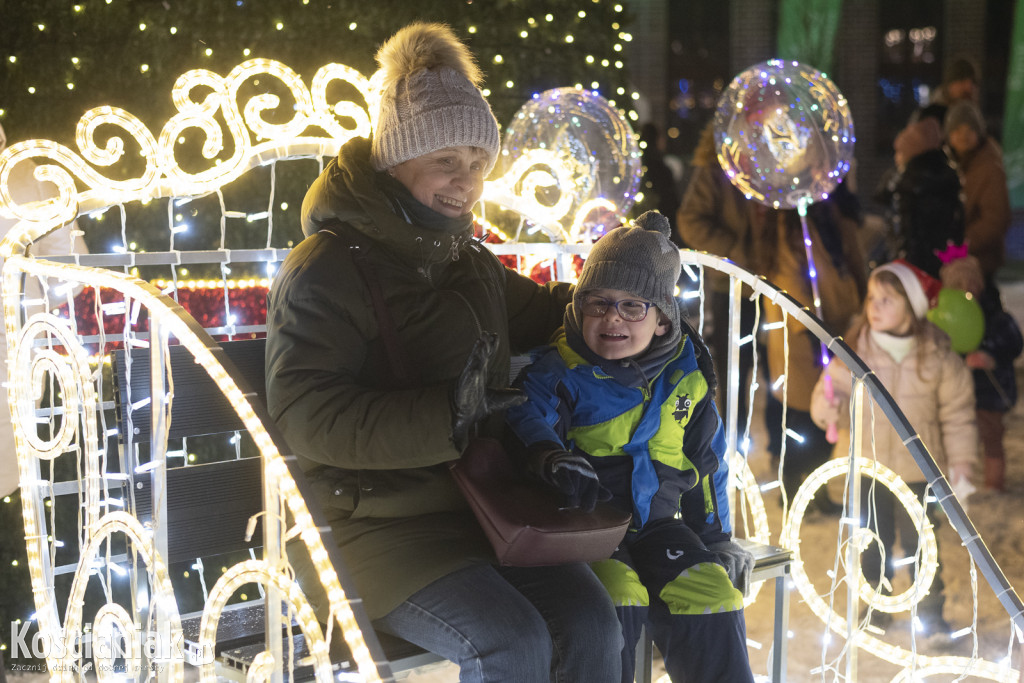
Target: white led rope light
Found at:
187, 332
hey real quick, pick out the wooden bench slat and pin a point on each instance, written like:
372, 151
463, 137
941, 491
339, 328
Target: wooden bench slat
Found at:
199, 407
208, 507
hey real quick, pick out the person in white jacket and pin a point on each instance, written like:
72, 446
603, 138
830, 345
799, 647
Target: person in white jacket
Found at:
24, 188
933, 387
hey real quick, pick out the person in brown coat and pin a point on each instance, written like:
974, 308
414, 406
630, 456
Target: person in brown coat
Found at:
715, 217
986, 198
842, 279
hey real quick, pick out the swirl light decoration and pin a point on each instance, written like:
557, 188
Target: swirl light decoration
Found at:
253, 142
570, 160
178, 324
257, 571
922, 665
111, 615
28, 367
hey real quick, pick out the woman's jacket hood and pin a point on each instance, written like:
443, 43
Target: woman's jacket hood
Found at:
350, 191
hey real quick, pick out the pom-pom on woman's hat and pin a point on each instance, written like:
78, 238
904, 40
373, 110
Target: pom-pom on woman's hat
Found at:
921, 288
428, 98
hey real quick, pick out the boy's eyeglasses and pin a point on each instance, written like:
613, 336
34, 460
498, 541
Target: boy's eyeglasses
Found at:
630, 310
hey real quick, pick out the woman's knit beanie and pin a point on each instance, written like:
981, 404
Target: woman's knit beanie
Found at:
641, 260
965, 112
427, 98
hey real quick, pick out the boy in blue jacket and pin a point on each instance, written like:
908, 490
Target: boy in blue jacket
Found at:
621, 407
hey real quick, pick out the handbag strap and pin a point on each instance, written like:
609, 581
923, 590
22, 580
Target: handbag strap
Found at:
401, 370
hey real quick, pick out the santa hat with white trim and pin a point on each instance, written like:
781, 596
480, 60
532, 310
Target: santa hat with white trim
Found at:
921, 288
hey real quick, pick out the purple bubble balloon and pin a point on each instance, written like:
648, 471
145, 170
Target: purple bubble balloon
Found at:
784, 133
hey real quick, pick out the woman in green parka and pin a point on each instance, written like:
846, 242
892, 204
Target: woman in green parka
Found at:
374, 427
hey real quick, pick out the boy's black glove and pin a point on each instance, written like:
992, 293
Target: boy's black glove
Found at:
572, 475
738, 563
471, 399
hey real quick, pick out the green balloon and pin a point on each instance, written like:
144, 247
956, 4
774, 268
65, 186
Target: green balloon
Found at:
959, 315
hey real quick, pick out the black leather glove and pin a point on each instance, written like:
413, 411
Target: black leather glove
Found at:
738, 563
471, 399
573, 476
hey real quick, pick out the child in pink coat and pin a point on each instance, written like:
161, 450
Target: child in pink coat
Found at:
933, 387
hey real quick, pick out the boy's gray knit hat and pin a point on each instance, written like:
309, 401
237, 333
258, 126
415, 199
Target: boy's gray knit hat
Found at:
641, 260
428, 98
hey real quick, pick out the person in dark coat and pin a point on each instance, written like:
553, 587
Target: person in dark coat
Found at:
659, 183
925, 197
374, 415
995, 380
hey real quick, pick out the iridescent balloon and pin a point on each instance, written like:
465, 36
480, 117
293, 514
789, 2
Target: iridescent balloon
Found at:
784, 133
565, 150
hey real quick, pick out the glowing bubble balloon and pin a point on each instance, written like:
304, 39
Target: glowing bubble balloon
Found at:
960, 316
568, 150
784, 134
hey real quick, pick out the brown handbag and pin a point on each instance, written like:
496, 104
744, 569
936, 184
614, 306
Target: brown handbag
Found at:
523, 518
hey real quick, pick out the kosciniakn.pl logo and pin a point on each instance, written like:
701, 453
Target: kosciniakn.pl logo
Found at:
109, 645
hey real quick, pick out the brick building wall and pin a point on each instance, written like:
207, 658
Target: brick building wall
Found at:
856, 66
752, 25
647, 59
965, 32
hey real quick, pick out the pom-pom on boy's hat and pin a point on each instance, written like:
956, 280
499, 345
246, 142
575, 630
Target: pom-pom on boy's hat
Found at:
641, 260
428, 98
921, 288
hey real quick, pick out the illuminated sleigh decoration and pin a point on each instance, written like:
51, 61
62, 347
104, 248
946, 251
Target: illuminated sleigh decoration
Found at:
47, 352
50, 356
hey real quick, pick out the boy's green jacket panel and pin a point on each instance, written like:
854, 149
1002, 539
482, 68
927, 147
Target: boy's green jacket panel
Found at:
658, 445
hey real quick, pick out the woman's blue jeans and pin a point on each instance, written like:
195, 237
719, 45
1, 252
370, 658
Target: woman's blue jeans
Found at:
521, 624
